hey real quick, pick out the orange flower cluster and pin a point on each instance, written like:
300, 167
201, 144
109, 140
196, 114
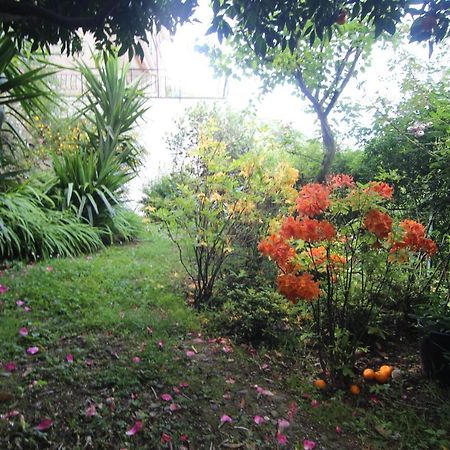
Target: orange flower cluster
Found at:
341, 181
309, 230
278, 250
382, 189
414, 239
295, 287
378, 223
313, 199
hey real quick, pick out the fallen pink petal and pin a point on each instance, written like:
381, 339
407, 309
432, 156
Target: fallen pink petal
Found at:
167, 397
32, 350
173, 407
227, 349
282, 424
225, 419
166, 438
49, 268
91, 411
338, 429
10, 367
45, 424
184, 384
135, 428
190, 353
69, 358
314, 404
184, 438
3, 289
308, 445
136, 359
259, 420
176, 390
282, 438
293, 408
27, 309
9, 414
230, 380
160, 345
20, 303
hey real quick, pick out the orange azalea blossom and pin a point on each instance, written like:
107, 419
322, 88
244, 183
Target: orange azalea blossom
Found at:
318, 256
414, 239
383, 189
313, 199
378, 223
295, 287
306, 229
279, 250
341, 180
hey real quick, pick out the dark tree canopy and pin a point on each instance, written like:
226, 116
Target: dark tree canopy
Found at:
112, 22
275, 23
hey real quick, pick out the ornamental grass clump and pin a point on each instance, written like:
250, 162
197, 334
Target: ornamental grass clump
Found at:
342, 252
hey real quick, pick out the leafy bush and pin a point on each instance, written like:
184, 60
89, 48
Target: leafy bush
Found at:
123, 226
28, 228
342, 254
254, 315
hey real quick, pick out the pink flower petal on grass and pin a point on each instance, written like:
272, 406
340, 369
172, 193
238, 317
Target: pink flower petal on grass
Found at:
173, 407
282, 424
293, 408
308, 445
259, 420
166, 438
32, 350
45, 424
314, 404
20, 303
167, 397
136, 359
183, 384
3, 289
135, 428
227, 349
160, 345
69, 358
263, 391
10, 367
338, 429
184, 438
49, 268
190, 353
9, 414
91, 411
27, 309
281, 438
225, 419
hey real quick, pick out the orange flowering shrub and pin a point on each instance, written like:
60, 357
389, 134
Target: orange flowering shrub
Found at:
342, 248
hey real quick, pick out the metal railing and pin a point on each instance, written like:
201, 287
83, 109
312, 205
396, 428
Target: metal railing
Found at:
155, 83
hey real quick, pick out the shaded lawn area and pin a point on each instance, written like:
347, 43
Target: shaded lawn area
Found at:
118, 347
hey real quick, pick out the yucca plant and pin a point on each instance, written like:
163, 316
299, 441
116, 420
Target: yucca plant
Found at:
91, 179
112, 106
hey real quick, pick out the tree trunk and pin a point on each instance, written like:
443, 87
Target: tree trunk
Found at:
329, 147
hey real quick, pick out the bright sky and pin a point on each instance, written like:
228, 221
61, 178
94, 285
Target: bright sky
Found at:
191, 70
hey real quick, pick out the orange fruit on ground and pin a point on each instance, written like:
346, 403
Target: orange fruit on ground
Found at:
320, 384
354, 389
386, 369
369, 374
381, 377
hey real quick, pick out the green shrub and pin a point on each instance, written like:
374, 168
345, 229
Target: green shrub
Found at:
123, 226
255, 315
28, 228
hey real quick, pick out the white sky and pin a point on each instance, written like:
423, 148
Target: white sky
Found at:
192, 71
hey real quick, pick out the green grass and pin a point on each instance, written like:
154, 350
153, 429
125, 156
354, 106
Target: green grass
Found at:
99, 308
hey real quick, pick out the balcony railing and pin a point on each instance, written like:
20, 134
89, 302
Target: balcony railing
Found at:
155, 83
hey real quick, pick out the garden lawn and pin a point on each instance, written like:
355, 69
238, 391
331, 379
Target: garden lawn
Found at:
102, 352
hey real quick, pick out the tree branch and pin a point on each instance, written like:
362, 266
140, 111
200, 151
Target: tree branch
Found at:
346, 79
11, 10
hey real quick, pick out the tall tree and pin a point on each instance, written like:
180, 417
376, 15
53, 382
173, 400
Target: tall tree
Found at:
320, 71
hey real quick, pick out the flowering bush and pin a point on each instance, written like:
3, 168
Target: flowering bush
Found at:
341, 251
